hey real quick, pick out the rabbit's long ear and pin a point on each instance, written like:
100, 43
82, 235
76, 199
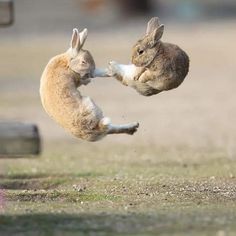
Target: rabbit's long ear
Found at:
83, 36
152, 25
156, 35
75, 39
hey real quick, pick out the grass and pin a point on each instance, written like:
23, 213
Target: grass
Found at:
119, 191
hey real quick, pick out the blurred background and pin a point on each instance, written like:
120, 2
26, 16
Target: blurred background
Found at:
200, 113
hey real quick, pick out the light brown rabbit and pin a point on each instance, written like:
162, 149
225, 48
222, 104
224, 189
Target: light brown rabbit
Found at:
157, 66
64, 103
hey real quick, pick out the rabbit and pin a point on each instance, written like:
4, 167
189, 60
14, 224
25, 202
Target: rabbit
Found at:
62, 101
156, 66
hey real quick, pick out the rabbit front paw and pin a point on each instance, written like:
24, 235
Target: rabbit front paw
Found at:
140, 76
143, 79
136, 78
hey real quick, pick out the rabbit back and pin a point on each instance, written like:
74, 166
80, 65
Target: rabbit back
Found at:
63, 102
172, 65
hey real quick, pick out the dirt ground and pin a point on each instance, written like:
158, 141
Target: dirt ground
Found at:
120, 190
175, 176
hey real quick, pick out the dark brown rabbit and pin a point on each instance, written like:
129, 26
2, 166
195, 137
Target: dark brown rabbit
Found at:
157, 66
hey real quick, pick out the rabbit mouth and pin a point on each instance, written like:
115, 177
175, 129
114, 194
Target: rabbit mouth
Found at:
86, 75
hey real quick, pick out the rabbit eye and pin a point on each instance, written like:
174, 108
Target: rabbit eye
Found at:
140, 52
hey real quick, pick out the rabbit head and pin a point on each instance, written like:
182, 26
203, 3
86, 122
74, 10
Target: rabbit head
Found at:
146, 49
81, 61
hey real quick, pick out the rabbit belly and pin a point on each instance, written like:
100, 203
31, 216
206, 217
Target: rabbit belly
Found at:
86, 121
89, 107
128, 72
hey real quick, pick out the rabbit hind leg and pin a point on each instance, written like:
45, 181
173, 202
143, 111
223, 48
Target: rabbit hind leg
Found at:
130, 128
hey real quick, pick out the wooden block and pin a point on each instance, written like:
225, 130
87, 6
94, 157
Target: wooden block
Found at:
6, 12
18, 139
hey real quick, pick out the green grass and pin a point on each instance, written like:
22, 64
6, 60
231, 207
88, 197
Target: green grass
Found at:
88, 189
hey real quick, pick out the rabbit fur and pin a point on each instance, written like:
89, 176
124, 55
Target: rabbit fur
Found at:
156, 66
64, 103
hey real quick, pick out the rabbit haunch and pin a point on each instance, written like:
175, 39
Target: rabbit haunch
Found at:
157, 66
64, 103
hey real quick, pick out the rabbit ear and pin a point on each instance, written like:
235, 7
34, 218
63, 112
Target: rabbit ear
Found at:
83, 36
75, 39
152, 25
157, 34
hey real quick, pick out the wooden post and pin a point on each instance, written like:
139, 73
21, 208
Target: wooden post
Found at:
6, 12
18, 139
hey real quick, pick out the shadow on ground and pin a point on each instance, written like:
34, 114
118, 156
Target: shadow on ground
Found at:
39, 181
102, 224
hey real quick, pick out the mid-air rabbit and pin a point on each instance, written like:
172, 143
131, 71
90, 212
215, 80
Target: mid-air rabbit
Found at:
156, 66
64, 103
